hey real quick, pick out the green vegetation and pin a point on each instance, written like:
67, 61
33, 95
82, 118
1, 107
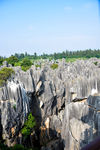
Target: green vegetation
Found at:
54, 66
96, 63
26, 64
18, 63
3, 147
1, 60
25, 68
14, 106
15, 147
5, 73
28, 126
19, 147
12, 60
71, 59
74, 59
66, 54
37, 66
26, 60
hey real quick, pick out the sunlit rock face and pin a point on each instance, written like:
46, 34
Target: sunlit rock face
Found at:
81, 123
14, 107
61, 96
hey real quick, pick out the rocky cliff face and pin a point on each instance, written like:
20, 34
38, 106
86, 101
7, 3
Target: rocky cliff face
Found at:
65, 103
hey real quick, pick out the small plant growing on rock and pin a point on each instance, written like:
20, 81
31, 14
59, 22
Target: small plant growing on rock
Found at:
96, 63
54, 66
5, 73
14, 106
28, 125
38, 66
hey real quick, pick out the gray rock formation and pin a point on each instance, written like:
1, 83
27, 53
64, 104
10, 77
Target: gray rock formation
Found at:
14, 107
81, 123
61, 96
5, 64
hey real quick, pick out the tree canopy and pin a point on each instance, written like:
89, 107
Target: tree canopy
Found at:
12, 60
65, 54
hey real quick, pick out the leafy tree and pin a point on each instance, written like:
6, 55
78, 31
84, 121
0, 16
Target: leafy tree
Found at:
22, 56
17, 63
26, 64
12, 60
1, 60
35, 55
5, 73
88, 53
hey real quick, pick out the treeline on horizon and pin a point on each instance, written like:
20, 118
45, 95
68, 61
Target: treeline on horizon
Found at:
65, 54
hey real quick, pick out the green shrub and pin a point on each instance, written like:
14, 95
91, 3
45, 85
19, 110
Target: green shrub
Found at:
5, 73
37, 66
18, 147
3, 147
25, 68
54, 66
1, 60
17, 64
12, 60
14, 106
15, 147
21, 147
28, 125
96, 63
26, 64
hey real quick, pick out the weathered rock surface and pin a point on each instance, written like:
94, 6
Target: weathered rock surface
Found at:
14, 107
81, 123
62, 95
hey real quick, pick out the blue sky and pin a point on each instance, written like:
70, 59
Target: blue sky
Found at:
48, 26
